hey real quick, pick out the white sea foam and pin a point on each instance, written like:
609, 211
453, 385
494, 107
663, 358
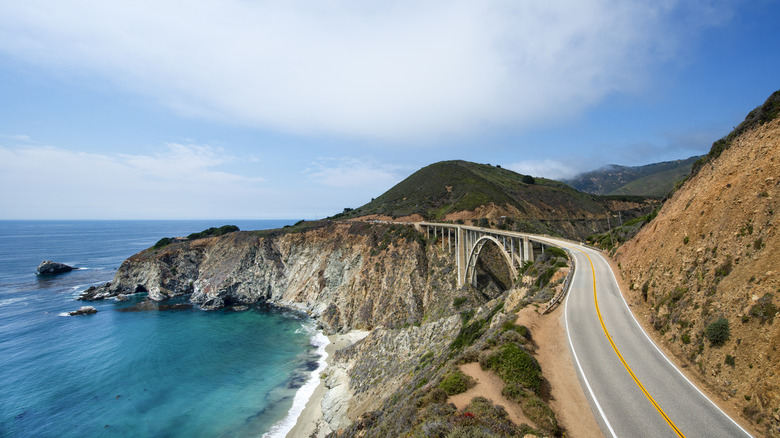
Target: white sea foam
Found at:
8, 301
304, 393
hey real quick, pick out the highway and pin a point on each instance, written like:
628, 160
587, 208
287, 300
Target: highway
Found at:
634, 390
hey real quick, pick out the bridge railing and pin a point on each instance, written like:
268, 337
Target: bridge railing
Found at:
566, 283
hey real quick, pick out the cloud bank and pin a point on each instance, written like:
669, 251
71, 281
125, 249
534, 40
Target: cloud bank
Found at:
178, 181
346, 68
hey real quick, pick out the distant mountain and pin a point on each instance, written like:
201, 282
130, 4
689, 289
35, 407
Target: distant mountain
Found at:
655, 180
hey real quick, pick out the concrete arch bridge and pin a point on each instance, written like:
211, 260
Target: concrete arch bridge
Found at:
467, 242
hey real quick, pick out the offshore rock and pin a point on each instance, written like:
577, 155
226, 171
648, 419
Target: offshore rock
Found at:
48, 267
98, 293
83, 310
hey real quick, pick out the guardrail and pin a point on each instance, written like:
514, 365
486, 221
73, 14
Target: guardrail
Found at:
566, 284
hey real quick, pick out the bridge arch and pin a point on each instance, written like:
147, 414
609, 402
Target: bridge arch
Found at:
471, 267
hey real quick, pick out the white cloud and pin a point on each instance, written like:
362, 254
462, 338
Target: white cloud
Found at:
180, 181
383, 70
551, 169
353, 173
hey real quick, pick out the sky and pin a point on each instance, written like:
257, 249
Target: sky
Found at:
250, 109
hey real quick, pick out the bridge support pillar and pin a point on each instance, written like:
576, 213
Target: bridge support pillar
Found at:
460, 253
528, 250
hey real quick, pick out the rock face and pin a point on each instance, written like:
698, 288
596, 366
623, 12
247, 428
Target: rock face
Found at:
48, 267
83, 310
712, 252
351, 276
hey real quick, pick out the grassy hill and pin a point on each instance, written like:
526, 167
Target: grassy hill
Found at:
447, 187
656, 179
465, 191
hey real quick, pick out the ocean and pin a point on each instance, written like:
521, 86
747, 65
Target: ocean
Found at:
155, 373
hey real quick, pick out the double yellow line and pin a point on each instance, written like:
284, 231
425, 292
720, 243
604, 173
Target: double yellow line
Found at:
620, 356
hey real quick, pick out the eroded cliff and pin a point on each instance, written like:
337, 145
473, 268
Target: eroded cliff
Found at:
705, 274
349, 275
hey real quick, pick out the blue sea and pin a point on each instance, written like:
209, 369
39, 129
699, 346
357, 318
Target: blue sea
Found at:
153, 373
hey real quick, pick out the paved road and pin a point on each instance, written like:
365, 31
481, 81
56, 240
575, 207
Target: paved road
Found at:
657, 401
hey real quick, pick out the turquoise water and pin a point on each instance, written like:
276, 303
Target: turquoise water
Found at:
134, 373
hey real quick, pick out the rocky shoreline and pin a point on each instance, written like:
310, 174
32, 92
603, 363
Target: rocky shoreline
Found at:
386, 297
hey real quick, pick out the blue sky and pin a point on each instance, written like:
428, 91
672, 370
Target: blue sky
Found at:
253, 109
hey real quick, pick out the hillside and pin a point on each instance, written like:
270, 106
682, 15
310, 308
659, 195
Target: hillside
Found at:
461, 191
656, 179
704, 274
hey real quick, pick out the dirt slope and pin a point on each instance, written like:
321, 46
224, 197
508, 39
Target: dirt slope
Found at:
712, 252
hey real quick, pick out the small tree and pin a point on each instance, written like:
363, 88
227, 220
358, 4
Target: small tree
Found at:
718, 332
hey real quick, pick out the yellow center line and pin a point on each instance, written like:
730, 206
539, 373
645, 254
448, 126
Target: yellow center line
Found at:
620, 356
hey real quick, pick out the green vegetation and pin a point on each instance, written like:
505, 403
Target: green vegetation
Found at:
515, 365
213, 232
730, 361
622, 233
652, 180
458, 301
165, 241
473, 331
455, 382
718, 332
451, 186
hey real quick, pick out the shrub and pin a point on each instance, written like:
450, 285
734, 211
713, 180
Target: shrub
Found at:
718, 332
459, 301
686, 239
513, 364
723, 270
557, 252
165, 241
685, 338
764, 309
213, 232
455, 382
730, 360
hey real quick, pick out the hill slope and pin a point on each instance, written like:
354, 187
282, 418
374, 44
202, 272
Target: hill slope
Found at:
705, 272
461, 190
656, 179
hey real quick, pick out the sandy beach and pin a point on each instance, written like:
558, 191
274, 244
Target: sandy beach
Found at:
309, 419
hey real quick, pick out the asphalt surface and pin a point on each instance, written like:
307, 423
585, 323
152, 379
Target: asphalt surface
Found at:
669, 405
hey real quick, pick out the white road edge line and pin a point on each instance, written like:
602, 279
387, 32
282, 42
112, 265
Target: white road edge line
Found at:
577, 360
661, 352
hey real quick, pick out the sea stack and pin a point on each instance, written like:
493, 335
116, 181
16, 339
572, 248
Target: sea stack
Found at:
48, 267
83, 310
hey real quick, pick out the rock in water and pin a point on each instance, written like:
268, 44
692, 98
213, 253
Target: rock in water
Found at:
48, 267
83, 310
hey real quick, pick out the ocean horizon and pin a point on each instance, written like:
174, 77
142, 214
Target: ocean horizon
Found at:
130, 372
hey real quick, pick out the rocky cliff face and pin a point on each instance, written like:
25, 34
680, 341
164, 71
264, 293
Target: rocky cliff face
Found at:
351, 276
713, 252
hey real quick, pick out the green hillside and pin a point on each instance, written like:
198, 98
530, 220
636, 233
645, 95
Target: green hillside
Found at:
655, 180
454, 186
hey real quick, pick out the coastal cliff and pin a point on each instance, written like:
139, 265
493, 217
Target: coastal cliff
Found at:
389, 280
348, 275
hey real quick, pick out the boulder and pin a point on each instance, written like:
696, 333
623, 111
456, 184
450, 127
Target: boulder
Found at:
48, 267
213, 303
83, 310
